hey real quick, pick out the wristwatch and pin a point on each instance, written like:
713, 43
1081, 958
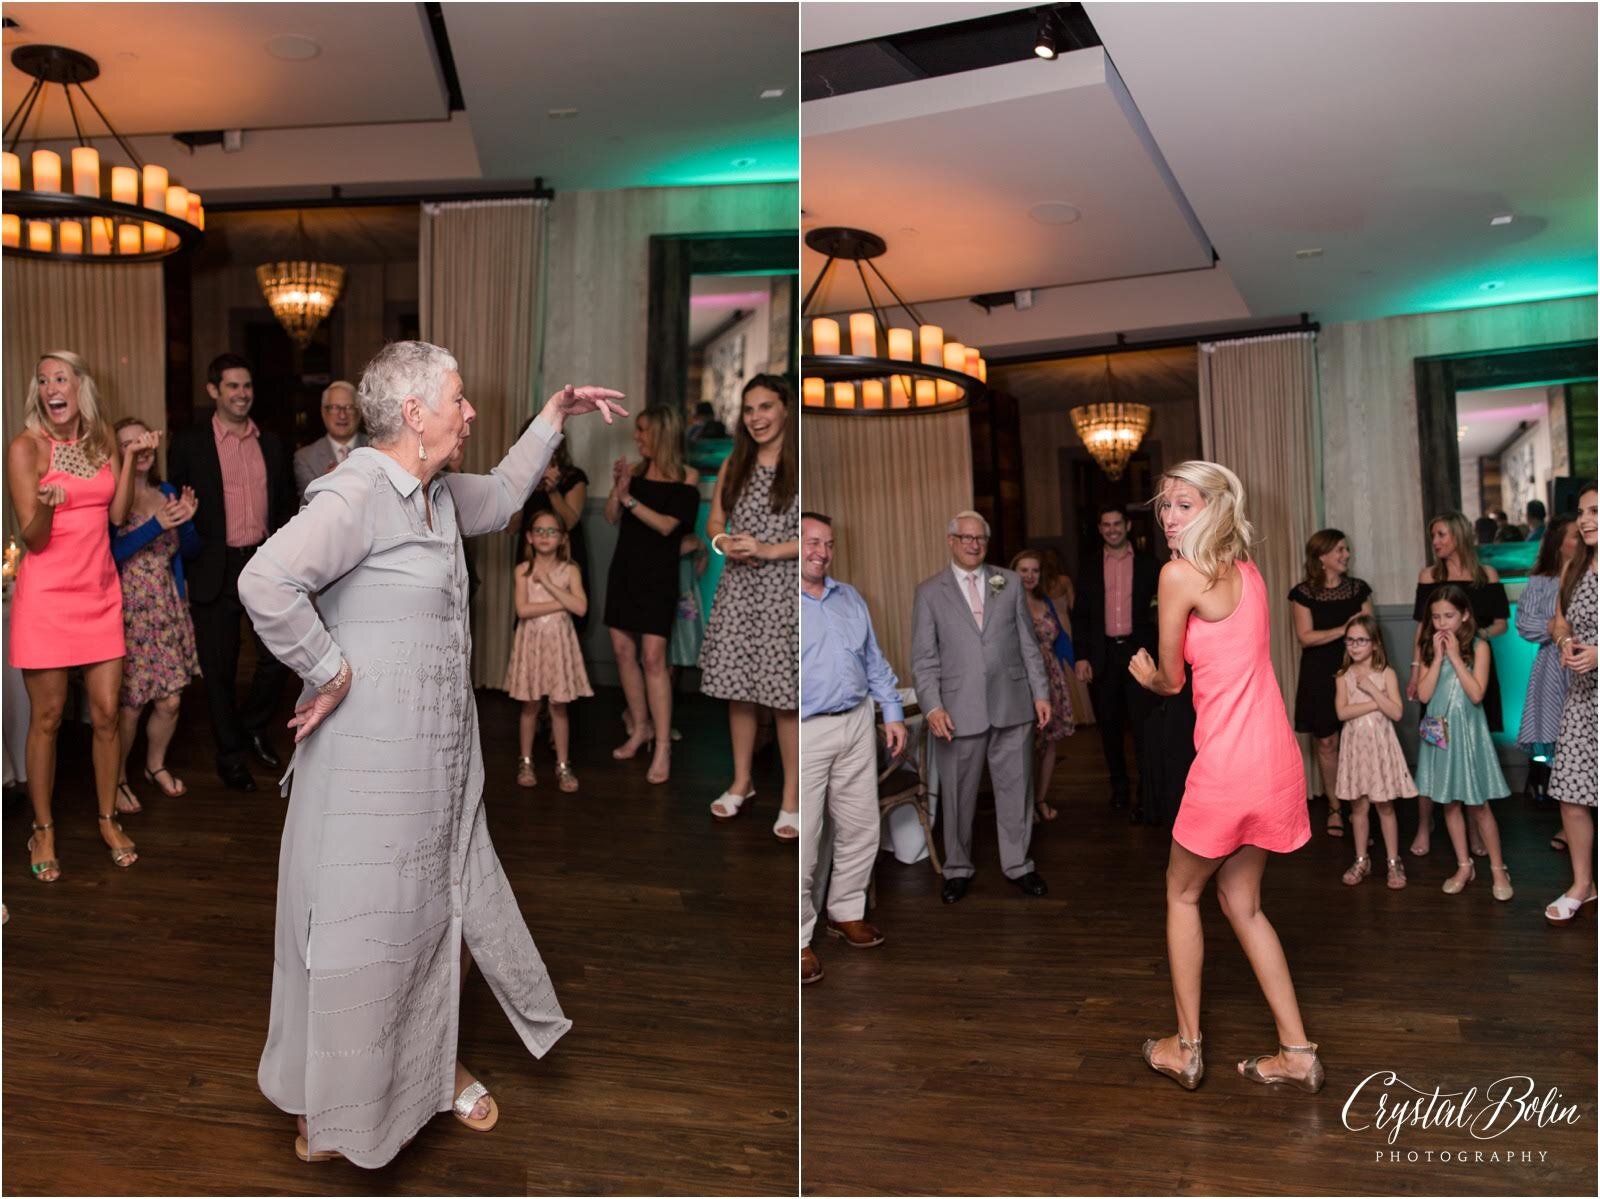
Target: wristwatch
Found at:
630, 503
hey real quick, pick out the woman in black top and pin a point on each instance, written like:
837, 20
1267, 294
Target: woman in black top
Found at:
655, 501
1455, 560
1323, 602
564, 489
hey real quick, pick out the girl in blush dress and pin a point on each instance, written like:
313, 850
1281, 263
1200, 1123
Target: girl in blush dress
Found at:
1245, 796
1372, 770
546, 660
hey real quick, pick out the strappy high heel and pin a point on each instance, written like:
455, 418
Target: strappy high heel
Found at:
1189, 1077
1310, 1084
123, 855
636, 741
1453, 885
40, 869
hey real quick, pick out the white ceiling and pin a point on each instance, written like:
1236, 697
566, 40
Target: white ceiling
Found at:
369, 112
1492, 418
946, 173
1384, 135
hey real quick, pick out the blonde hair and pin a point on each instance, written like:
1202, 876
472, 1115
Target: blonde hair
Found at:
1220, 535
666, 442
1466, 548
94, 430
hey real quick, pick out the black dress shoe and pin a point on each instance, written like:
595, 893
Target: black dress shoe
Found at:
954, 889
1031, 884
262, 748
235, 776
1119, 798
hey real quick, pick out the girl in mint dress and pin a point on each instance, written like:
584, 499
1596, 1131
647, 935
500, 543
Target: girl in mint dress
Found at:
1456, 761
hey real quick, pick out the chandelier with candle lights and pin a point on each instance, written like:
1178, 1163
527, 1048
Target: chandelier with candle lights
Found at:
112, 213
1111, 431
889, 370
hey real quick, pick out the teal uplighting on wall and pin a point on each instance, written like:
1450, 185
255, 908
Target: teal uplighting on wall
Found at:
775, 161
1487, 286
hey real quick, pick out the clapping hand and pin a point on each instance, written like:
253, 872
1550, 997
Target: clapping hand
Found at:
147, 441
621, 478
178, 509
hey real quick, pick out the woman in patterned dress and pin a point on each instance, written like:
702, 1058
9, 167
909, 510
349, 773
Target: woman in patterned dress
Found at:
750, 655
161, 656
68, 486
389, 888
1572, 778
1537, 611
1029, 565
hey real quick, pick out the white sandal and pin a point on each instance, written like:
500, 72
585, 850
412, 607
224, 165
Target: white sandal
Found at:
1565, 909
786, 820
732, 804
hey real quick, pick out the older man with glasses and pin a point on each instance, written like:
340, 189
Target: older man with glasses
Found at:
341, 419
981, 681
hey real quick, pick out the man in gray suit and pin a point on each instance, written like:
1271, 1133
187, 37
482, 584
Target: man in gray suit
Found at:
982, 682
340, 417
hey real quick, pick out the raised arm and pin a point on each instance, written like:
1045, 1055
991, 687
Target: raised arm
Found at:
485, 503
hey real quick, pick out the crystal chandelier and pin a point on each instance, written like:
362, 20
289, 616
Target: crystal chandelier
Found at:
301, 294
117, 214
918, 371
1112, 431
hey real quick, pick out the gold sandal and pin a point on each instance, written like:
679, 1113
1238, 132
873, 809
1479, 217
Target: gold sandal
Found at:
40, 869
1189, 1077
123, 855
1311, 1083
1397, 874
525, 772
565, 779
1353, 876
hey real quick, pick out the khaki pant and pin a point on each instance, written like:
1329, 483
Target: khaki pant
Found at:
838, 778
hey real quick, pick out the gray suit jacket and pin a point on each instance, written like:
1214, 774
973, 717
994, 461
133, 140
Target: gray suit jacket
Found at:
985, 679
315, 460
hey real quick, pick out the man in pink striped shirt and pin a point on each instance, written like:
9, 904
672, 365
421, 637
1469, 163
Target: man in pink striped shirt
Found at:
240, 474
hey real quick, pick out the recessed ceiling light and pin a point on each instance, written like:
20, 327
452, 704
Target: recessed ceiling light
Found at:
1314, 252
1492, 285
1054, 212
772, 93
561, 114
1505, 218
292, 47
744, 162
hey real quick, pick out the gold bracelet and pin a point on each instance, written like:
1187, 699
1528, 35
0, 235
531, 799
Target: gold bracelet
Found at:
339, 679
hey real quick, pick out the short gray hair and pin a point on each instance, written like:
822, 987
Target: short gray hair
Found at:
401, 369
344, 383
969, 514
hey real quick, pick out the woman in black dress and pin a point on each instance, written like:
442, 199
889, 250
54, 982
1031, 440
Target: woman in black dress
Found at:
1455, 560
655, 501
1323, 602
564, 490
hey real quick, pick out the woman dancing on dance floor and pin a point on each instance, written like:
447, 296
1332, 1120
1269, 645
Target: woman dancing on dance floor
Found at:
1246, 794
388, 886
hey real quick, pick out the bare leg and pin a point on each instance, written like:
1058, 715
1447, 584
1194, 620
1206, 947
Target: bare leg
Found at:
626, 648
1187, 875
1044, 766
527, 722
47, 700
742, 733
658, 687
158, 731
1239, 894
788, 721
1328, 767
1423, 841
1579, 827
560, 730
1389, 823
1359, 825
1456, 825
127, 730
103, 681
1483, 822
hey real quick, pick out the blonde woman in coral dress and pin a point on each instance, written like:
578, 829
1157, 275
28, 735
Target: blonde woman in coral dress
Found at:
1246, 795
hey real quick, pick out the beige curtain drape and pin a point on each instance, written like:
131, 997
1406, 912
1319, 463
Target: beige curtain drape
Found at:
114, 316
891, 485
480, 265
1258, 401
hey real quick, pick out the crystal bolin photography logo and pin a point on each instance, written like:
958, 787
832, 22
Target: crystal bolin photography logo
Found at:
1505, 1104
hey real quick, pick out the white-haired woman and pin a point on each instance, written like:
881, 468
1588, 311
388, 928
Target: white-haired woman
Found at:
1246, 793
68, 487
388, 886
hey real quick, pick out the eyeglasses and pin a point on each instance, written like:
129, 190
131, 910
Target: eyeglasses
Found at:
1358, 640
548, 530
971, 538
339, 409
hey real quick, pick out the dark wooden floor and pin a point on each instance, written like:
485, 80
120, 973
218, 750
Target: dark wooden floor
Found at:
136, 1002
992, 1047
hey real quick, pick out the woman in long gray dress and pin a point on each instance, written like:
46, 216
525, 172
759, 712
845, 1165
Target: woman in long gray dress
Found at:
388, 886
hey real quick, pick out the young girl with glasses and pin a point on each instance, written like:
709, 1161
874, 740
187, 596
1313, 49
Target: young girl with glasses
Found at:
546, 661
1372, 770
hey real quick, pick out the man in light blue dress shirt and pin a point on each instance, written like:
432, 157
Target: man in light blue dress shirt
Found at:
842, 671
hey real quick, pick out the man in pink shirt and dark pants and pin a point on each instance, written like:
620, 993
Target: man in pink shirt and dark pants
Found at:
242, 479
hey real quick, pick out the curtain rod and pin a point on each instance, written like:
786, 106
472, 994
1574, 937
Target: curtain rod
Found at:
338, 200
1168, 343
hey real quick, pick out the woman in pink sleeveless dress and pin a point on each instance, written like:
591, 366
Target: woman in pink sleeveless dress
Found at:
68, 487
1246, 793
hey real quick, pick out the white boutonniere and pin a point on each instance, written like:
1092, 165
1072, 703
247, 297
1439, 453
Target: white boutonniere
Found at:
997, 583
